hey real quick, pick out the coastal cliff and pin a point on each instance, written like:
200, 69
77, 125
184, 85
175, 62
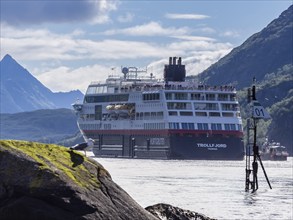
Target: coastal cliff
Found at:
39, 181
45, 181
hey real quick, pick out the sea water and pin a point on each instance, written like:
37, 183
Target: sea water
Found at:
213, 188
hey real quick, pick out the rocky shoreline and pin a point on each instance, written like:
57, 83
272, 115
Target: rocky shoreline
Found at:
42, 181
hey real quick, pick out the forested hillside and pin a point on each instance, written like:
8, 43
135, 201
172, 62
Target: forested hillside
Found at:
267, 56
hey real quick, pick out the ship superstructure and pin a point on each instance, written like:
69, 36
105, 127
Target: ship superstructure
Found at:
142, 117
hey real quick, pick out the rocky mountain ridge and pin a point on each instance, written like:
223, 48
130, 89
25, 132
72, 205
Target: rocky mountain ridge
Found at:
20, 91
263, 53
45, 125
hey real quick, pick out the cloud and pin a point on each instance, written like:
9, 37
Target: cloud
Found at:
43, 45
199, 61
64, 78
39, 11
149, 29
52, 54
199, 45
193, 38
195, 62
128, 17
206, 30
186, 16
230, 34
81, 77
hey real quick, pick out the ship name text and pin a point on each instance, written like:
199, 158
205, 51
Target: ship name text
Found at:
211, 146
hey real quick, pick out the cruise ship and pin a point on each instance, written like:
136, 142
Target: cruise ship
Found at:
135, 115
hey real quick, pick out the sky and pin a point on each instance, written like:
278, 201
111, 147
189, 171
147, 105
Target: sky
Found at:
67, 44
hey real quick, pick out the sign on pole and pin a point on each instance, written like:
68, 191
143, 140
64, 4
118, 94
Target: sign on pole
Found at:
258, 111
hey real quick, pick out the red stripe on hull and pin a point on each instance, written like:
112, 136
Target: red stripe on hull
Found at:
166, 132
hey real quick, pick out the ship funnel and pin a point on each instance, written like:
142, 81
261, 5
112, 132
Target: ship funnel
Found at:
174, 60
179, 61
174, 72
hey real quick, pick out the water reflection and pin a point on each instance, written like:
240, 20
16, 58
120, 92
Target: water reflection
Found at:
250, 198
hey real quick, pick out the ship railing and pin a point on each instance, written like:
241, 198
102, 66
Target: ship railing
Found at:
95, 82
135, 88
200, 88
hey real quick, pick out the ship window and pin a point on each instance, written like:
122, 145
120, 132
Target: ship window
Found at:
195, 96
106, 98
215, 114
141, 115
151, 96
233, 127
212, 106
101, 89
230, 107
223, 97
199, 106
172, 113
179, 105
205, 126
199, 126
186, 113
146, 115
201, 114
149, 126
239, 127
168, 96
206, 106
180, 96
160, 114
174, 125
107, 126
233, 97
215, 126
110, 89
202, 126
184, 126
91, 90
211, 97
98, 112
227, 114
230, 127
188, 126
191, 126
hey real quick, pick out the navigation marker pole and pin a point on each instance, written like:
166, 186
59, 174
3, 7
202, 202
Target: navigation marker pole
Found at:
258, 112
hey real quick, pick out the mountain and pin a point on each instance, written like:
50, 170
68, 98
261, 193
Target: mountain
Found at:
261, 54
20, 91
46, 125
268, 56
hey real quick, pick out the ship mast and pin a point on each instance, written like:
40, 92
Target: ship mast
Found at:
257, 112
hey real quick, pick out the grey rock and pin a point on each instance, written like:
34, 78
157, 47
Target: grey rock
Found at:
47, 182
169, 212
